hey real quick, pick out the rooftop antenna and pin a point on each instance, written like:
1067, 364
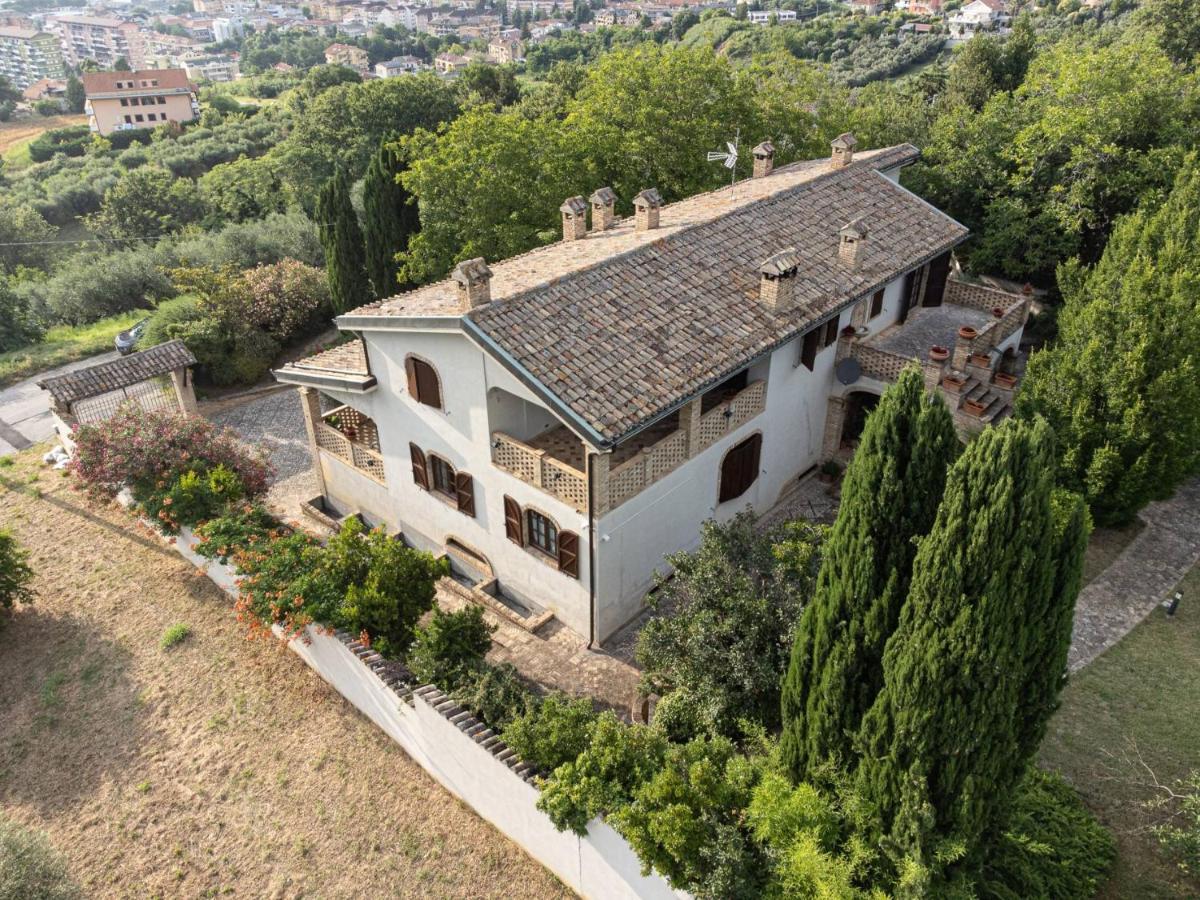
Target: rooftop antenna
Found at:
728, 158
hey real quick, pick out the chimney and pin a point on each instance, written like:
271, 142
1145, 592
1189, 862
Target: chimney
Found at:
852, 237
604, 206
574, 218
646, 206
777, 289
843, 150
764, 159
474, 280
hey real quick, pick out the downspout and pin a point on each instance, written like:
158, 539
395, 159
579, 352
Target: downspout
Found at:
591, 468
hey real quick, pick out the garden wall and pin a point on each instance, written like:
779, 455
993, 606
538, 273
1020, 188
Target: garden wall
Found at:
464, 756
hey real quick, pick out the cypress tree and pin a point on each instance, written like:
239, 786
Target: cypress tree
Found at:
389, 219
890, 495
1050, 625
945, 744
345, 259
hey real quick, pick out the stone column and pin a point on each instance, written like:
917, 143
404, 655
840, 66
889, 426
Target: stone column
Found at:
835, 420
310, 403
689, 421
181, 380
933, 374
600, 469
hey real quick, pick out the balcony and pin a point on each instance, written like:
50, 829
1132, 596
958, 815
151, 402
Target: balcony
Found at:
353, 438
555, 459
957, 344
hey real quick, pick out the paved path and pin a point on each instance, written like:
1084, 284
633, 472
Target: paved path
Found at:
276, 422
1141, 577
25, 408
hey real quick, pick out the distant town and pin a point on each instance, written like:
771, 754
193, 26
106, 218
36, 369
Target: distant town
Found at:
207, 39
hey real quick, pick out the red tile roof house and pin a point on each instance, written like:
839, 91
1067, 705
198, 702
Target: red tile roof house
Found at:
118, 101
558, 422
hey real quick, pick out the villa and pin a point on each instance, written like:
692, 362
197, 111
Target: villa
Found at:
558, 422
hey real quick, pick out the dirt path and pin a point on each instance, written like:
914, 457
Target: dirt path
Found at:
219, 767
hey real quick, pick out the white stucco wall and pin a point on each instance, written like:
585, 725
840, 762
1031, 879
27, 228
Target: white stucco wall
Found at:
666, 517
460, 433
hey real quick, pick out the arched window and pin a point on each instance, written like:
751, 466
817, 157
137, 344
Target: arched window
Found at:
423, 382
443, 476
543, 533
739, 468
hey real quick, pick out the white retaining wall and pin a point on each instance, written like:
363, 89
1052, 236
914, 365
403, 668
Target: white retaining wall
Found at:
465, 758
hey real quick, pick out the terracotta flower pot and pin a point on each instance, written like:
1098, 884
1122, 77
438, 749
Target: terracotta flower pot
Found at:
938, 354
967, 333
1005, 380
849, 331
953, 383
998, 312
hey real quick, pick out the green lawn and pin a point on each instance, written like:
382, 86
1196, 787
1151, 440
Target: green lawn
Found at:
1137, 704
64, 344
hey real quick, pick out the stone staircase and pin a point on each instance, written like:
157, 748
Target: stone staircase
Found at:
973, 401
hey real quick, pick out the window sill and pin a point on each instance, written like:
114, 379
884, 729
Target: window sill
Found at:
542, 556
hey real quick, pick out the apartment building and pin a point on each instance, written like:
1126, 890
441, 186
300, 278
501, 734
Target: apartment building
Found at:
103, 40
557, 423
28, 55
117, 101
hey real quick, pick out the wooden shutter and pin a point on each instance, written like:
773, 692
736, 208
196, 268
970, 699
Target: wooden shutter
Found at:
876, 303
429, 391
512, 521
831, 332
464, 486
935, 286
410, 369
568, 553
739, 469
808, 350
420, 472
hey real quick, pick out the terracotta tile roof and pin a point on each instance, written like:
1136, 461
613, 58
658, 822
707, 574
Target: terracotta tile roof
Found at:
349, 358
624, 342
106, 82
119, 373
624, 325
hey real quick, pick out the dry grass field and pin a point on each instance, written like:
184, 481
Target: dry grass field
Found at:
22, 131
217, 767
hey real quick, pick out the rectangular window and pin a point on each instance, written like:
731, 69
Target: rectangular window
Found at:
124, 102
150, 117
876, 303
128, 120
138, 117
809, 347
162, 101
443, 476
543, 533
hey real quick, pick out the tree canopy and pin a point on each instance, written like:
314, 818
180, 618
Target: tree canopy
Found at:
1122, 384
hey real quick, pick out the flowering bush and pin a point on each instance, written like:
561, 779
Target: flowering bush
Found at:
140, 449
363, 581
286, 298
242, 527
196, 495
